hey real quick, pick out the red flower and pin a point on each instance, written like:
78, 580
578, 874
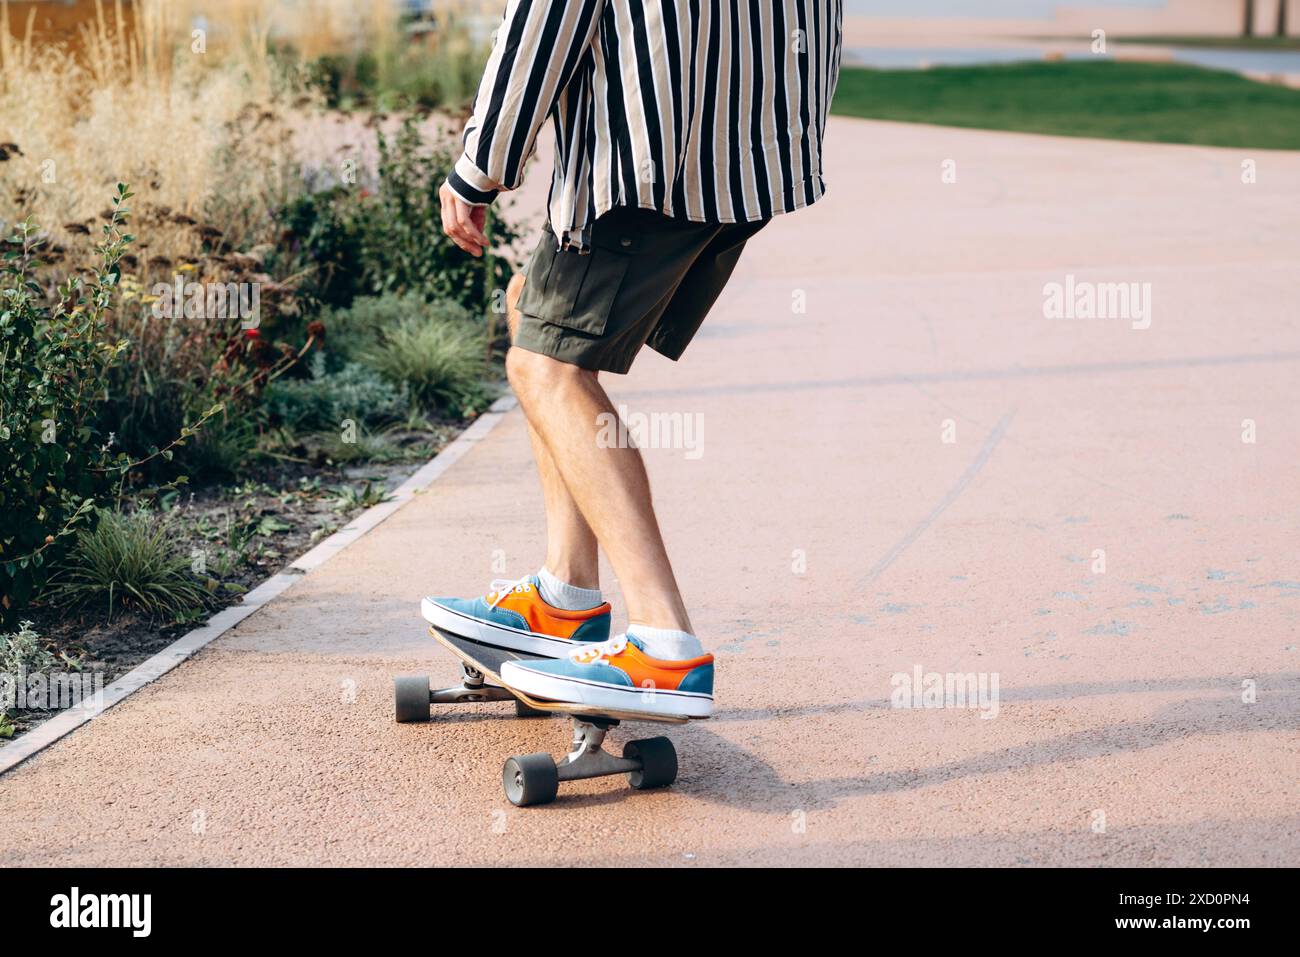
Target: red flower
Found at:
252, 333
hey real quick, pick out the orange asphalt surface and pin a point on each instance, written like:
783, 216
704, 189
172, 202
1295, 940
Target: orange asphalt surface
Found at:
902, 465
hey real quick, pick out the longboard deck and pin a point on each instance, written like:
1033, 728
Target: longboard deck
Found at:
488, 659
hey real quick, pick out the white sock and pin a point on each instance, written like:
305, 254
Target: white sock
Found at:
666, 644
563, 595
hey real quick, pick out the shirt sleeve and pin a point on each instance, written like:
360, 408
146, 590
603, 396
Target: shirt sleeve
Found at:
538, 47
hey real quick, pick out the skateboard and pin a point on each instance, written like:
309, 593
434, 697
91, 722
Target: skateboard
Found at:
531, 779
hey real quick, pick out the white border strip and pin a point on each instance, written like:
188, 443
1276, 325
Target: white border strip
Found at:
41, 737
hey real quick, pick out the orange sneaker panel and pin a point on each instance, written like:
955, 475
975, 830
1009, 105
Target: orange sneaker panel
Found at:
647, 672
547, 620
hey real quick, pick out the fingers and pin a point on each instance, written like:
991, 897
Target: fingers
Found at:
451, 222
458, 222
466, 217
478, 216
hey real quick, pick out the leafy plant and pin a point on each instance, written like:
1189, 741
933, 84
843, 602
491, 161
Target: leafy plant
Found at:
440, 362
347, 498
327, 229
358, 327
364, 241
363, 447
440, 69
344, 79
327, 400
53, 365
129, 561
180, 362
23, 650
175, 366
409, 251
222, 449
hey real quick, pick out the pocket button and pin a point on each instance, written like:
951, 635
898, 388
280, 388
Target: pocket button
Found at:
625, 242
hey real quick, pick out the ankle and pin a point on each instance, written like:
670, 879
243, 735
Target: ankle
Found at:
563, 593
666, 644
578, 572
665, 612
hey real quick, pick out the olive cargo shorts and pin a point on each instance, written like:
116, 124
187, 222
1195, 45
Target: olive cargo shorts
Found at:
648, 279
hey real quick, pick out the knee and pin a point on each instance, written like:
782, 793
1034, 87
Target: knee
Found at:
533, 375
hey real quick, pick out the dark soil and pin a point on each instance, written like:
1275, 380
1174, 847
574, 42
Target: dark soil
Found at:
242, 534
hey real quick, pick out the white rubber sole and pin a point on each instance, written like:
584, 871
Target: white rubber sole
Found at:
475, 629
671, 704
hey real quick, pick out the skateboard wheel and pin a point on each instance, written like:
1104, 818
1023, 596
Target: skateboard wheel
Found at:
411, 698
531, 779
524, 711
658, 760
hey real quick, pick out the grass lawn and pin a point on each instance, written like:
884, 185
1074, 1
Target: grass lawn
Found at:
1151, 102
1215, 43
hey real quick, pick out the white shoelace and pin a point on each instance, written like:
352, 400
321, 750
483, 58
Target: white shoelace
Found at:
590, 654
502, 587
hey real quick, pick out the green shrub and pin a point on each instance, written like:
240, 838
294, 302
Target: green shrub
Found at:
406, 248
343, 79
327, 399
440, 362
327, 229
443, 71
129, 561
363, 447
447, 77
57, 366
176, 366
53, 366
23, 650
23, 653
222, 449
354, 331
361, 242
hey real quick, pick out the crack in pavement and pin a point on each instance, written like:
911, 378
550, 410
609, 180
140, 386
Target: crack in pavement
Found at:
991, 442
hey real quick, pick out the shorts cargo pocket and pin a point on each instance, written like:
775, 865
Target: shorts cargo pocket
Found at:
581, 288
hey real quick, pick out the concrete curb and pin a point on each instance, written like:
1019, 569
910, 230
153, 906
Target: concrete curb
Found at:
37, 740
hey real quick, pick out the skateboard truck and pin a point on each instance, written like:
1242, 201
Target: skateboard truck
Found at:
413, 695
535, 778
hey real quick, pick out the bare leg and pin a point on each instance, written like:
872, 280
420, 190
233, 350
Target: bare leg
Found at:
571, 552
563, 403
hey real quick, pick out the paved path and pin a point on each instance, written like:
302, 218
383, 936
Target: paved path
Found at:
829, 538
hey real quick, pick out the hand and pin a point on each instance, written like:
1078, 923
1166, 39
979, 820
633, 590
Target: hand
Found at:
462, 222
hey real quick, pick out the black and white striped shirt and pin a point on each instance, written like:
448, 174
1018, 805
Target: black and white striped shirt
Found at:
707, 110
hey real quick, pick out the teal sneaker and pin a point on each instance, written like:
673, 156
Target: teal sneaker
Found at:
620, 676
513, 615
